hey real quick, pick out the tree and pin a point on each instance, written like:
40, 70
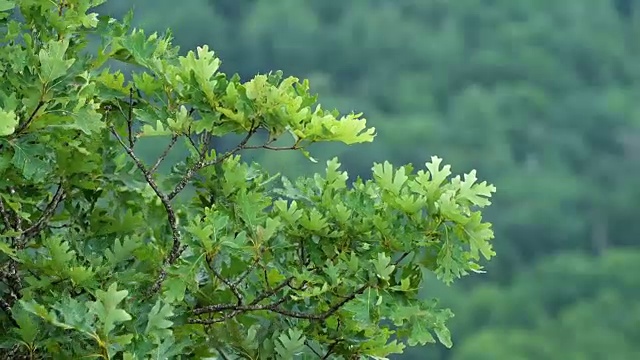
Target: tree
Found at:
569, 306
105, 256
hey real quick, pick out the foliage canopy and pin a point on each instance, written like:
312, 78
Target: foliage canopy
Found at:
103, 255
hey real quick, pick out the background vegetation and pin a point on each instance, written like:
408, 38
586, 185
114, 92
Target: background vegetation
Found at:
541, 96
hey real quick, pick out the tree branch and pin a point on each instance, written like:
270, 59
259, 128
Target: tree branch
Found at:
17, 225
130, 120
229, 284
273, 307
330, 349
176, 248
26, 124
174, 138
44, 217
201, 163
4, 215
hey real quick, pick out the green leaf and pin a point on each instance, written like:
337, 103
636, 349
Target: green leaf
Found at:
6, 5
87, 119
122, 250
52, 60
29, 160
175, 288
140, 47
387, 179
479, 234
159, 130
203, 66
428, 183
444, 336
28, 328
7, 249
158, 323
8, 122
476, 194
168, 349
290, 344
383, 266
60, 252
106, 308
80, 274
39, 310
74, 315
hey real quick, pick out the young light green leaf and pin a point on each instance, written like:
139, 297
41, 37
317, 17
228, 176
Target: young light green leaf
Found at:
52, 60
387, 179
476, 194
383, 266
7, 5
8, 122
86, 118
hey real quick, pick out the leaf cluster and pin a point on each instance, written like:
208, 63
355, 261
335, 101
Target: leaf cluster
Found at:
105, 256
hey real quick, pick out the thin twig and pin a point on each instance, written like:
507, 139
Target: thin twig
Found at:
130, 119
273, 307
306, 342
5, 215
330, 349
222, 354
176, 248
25, 124
44, 217
247, 272
174, 138
230, 285
269, 147
266, 294
10, 276
202, 164
145, 172
17, 224
6, 307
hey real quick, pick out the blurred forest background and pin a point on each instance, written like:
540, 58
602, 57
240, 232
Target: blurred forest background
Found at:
541, 96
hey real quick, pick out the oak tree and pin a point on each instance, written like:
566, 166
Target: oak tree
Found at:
103, 255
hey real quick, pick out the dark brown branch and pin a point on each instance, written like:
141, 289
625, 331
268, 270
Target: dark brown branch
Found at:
306, 342
147, 175
266, 294
330, 349
222, 354
404, 255
4, 305
269, 147
176, 248
26, 124
130, 120
164, 154
9, 275
273, 307
44, 218
202, 164
188, 175
247, 272
17, 224
229, 284
211, 321
4, 214
188, 136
